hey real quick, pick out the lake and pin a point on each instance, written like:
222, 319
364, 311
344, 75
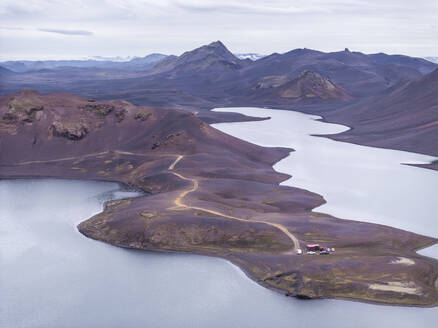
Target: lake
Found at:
358, 182
52, 276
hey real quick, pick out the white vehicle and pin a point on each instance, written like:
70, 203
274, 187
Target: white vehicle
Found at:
311, 252
299, 251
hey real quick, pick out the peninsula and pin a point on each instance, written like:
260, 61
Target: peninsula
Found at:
208, 193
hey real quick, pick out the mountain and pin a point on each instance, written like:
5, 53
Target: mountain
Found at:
308, 87
141, 63
147, 62
215, 74
359, 74
213, 59
312, 85
211, 76
402, 117
419, 64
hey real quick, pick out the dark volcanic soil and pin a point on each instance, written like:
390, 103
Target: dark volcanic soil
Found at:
208, 193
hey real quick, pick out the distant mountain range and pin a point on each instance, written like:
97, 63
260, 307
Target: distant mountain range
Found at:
348, 87
212, 72
116, 63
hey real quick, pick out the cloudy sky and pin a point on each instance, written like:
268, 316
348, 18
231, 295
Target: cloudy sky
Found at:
58, 29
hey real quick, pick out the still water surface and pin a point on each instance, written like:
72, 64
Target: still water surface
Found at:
52, 276
358, 182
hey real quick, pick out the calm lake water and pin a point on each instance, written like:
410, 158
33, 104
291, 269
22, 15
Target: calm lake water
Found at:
358, 182
52, 276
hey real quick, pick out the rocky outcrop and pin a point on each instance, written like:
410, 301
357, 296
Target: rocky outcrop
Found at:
70, 130
142, 116
99, 109
273, 81
18, 111
21, 111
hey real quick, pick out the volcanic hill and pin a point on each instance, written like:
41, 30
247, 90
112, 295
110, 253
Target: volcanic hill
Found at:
402, 117
309, 87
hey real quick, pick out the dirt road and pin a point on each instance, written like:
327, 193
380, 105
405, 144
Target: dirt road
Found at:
195, 185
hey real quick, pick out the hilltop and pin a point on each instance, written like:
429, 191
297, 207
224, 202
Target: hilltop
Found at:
308, 87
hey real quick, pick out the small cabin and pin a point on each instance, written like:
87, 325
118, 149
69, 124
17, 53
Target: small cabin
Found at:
313, 247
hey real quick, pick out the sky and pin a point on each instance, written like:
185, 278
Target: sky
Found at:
73, 29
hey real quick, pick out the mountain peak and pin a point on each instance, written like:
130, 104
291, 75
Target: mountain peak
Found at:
216, 48
214, 57
217, 44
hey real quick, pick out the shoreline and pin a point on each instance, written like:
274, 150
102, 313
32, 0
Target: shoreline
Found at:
137, 146
433, 165
336, 137
205, 252
247, 273
259, 282
122, 187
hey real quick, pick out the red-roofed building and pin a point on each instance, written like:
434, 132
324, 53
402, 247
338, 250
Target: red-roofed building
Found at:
313, 247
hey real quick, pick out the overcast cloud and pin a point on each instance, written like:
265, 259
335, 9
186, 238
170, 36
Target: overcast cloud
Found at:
65, 32
38, 29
